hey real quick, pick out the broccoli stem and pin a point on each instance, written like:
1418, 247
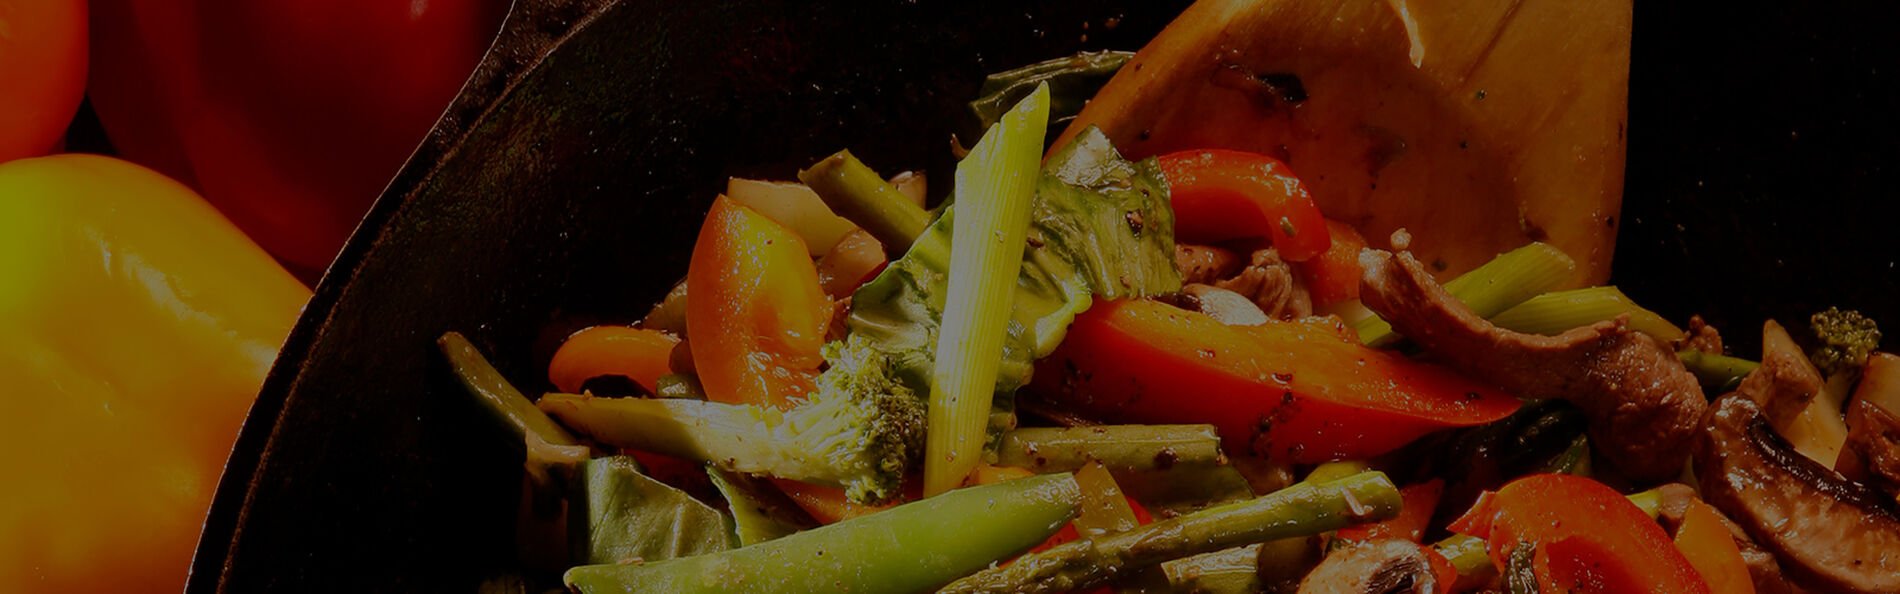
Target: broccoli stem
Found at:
914, 547
855, 192
497, 396
1506, 281
734, 437
1300, 510
1119, 447
1718, 373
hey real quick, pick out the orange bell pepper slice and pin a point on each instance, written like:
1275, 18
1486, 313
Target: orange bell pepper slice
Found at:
637, 354
1705, 541
1300, 392
1220, 195
1587, 537
756, 317
1332, 277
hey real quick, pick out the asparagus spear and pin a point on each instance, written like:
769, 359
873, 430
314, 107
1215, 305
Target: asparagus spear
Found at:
914, 547
857, 193
497, 396
1302, 509
1120, 447
1719, 373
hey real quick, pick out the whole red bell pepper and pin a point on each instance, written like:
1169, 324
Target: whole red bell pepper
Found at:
1220, 195
1301, 392
1582, 537
288, 115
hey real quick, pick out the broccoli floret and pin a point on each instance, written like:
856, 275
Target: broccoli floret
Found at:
1846, 338
860, 430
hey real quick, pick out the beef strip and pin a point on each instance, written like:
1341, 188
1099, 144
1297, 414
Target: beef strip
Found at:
1271, 284
1643, 406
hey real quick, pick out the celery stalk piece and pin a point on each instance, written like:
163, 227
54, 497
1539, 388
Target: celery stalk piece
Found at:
915, 547
1556, 312
995, 184
1506, 281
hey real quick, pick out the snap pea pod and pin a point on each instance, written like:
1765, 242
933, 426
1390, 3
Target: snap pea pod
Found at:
1302, 509
915, 547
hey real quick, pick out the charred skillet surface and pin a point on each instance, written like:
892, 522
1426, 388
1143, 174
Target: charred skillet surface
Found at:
1642, 405
1831, 534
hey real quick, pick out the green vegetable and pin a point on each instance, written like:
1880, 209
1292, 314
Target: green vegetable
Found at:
1072, 82
759, 512
857, 193
1554, 313
995, 185
915, 547
498, 397
1332, 471
1300, 510
1119, 447
1573, 460
616, 514
1718, 374
1470, 557
1506, 281
1184, 489
1099, 225
1846, 338
670, 313
859, 430
1232, 571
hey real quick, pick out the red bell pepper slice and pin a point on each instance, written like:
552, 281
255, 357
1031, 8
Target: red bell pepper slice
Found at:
1301, 392
1220, 195
1587, 537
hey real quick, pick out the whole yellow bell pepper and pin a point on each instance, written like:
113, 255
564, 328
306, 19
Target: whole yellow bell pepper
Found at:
136, 325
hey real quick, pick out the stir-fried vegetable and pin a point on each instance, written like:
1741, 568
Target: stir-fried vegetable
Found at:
1296, 391
1580, 536
1717, 373
1124, 447
915, 547
499, 398
759, 512
857, 430
616, 514
1846, 336
1099, 225
994, 187
1071, 81
1302, 509
1219, 195
859, 194
757, 317
638, 354
1554, 313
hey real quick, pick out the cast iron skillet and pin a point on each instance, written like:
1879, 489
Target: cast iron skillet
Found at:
563, 188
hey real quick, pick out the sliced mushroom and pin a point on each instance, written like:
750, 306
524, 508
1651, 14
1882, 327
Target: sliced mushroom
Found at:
1226, 306
1270, 283
1643, 406
1786, 381
1830, 534
1389, 566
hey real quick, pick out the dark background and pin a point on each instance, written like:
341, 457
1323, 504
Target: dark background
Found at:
1758, 185
1762, 179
